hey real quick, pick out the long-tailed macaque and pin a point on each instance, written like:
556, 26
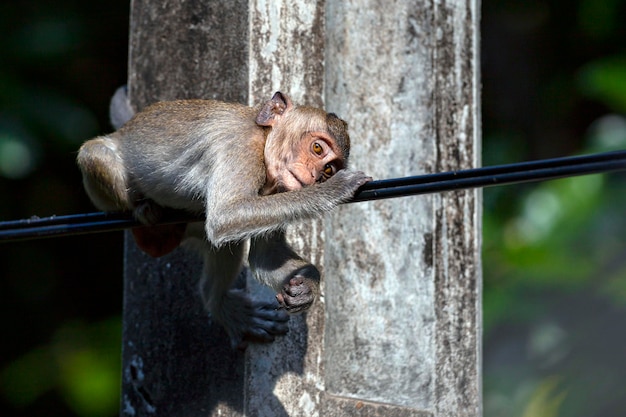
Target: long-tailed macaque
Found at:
251, 171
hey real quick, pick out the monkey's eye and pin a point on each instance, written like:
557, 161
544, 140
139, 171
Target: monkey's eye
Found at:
317, 148
329, 170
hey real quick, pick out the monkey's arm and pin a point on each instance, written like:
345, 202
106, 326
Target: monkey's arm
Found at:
241, 218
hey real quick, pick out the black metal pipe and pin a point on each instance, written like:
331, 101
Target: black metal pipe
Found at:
473, 180
541, 170
563, 162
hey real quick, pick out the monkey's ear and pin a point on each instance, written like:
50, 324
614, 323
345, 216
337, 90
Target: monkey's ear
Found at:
273, 109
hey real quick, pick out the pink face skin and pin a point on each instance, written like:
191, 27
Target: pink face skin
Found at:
315, 159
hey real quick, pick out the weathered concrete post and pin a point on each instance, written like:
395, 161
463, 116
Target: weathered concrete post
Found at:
403, 277
175, 361
397, 332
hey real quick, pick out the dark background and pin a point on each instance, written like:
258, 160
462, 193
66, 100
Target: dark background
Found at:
60, 299
554, 76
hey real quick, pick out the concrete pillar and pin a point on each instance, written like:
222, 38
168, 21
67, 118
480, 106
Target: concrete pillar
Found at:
176, 362
397, 331
403, 276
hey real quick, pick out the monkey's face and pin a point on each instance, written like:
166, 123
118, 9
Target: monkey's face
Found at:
313, 159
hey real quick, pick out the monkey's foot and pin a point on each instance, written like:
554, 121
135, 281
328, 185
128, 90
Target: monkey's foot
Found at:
148, 212
247, 320
298, 294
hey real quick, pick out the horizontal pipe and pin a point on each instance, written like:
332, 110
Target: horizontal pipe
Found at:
541, 170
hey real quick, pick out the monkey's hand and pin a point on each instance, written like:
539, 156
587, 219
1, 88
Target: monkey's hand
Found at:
347, 182
247, 320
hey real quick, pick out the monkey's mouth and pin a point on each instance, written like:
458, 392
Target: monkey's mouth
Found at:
294, 182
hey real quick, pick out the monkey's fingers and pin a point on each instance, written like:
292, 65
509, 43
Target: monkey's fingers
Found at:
260, 331
265, 323
260, 335
269, 311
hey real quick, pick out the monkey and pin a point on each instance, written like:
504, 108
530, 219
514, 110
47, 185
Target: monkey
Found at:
251, 171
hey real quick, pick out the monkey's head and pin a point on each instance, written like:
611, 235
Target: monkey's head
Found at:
304, 145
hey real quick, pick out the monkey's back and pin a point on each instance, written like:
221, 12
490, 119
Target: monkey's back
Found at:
170, 149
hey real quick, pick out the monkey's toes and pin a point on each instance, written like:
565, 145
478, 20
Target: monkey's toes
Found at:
297, 295
148, 212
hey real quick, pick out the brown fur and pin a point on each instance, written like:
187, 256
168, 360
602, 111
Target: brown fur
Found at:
251, 171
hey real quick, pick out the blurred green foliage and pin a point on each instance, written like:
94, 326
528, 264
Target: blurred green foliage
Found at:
554, 253
81, 362
605, 80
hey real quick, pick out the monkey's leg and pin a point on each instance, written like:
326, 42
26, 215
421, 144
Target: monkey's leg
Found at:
275, 264
104, 175
243, 318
